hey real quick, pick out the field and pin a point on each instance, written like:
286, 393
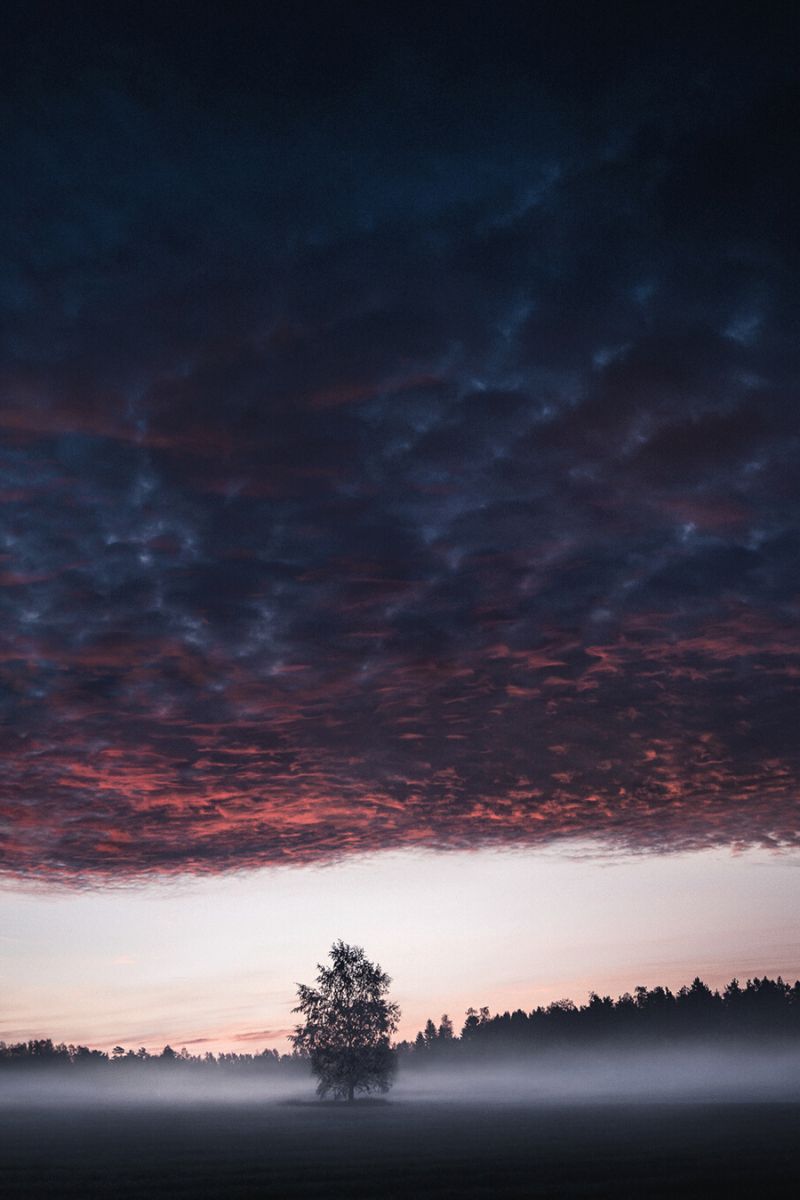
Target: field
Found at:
408, 1148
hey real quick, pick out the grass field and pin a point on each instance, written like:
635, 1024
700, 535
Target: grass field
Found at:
399, 1148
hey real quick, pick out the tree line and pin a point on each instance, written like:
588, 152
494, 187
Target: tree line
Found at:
762, 1008
43, 1052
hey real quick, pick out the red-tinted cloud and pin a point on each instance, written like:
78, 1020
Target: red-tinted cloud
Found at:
425, 483
643, 742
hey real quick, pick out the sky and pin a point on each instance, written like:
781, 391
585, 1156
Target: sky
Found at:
211, 963
398, 463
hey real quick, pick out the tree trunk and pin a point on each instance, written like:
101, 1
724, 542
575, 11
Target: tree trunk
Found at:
350, 1093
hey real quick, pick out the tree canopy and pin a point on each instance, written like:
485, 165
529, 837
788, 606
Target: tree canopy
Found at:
348, 1024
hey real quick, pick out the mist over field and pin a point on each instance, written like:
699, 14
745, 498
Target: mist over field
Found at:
690, 1072
158, 1087
689, 1122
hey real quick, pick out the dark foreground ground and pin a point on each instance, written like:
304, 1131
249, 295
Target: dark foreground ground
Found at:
401, 1148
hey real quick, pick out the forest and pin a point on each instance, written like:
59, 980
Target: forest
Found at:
762, 1009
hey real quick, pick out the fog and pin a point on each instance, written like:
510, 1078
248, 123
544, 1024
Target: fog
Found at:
691, 1073
155, 1084
691, 1123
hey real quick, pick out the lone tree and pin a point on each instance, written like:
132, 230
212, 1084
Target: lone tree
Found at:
348, 1024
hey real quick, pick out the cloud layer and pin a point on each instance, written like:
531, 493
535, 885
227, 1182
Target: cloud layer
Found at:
409, 459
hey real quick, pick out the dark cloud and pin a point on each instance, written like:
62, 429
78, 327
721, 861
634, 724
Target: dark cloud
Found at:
399, 440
